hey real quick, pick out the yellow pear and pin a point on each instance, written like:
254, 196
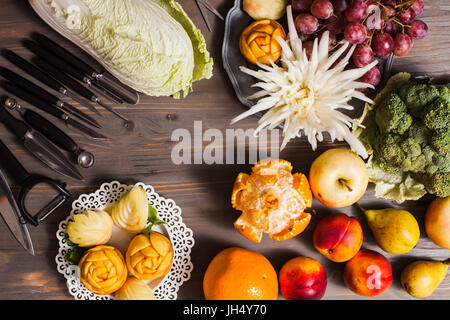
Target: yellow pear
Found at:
421, 278
396, 231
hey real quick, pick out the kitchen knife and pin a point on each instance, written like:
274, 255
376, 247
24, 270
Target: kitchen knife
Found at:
30, 98
81, 90
43, 77
129, 96
11, 215
52, 133
39, 145
67, 68
46, 96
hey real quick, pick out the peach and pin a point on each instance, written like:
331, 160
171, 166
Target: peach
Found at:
368, 273
303, 278
437, 222
338, 237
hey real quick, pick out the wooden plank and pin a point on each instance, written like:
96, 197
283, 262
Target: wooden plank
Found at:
202, 191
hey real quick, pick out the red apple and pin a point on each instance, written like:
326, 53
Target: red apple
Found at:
368, 273
338, 178
303, 278
338, 237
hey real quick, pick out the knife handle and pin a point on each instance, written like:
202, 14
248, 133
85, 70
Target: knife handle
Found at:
10, 163
50, 131
31, 69
30, 86
66, 55
53, 59
65, 79
30, 98
16, 126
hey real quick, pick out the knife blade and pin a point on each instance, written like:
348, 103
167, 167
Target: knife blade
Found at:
10, 214
108, 84
44, 77
46, 96
39, 145
67, 68
30, 98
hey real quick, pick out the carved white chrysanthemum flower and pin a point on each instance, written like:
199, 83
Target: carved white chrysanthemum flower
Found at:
305, 94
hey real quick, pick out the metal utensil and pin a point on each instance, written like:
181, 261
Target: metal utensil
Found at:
27, 182
11, 215
129, 96
81, 90
39, 145
84, 158
46, 79
62, 66
205, 4
46, 96
67, 68
68, 120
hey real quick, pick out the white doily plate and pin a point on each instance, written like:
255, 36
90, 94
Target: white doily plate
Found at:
181, 237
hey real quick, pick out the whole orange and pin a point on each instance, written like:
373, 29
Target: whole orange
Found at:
240, 274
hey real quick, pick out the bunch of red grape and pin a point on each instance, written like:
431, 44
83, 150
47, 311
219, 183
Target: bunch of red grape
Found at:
379, 28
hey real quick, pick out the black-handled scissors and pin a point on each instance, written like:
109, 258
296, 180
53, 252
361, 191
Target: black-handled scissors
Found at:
27, 182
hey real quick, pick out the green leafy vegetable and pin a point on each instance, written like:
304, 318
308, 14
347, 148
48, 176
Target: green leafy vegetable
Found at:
75, 253
153, 219
407, 133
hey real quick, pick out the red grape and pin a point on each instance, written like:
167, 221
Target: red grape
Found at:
374, 21
382, 45
392, 27
301, 5
355, 33
418, 30
336, 24
387, 12
322, 9
406, 17
417, 7
356, 11
373, 76
402, 44
339, 5
362, 56
306, 23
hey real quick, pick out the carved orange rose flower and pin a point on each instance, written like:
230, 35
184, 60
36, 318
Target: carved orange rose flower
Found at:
149, 257
103, 270
258, 41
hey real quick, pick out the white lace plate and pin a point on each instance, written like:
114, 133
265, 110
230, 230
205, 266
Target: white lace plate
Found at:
181, 237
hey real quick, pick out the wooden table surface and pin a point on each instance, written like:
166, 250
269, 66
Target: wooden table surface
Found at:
202, 191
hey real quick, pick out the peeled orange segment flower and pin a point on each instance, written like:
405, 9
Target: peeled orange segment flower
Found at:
272, 200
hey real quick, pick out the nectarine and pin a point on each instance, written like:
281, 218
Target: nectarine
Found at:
338, 237
368, 273
303, 278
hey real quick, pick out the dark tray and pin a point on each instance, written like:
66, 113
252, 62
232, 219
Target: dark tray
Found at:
236, 21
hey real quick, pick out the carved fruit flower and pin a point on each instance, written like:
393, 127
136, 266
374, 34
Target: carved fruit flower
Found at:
135, 289
258, 41
272, 201
103, 270
90, 228
131, 211
149, 257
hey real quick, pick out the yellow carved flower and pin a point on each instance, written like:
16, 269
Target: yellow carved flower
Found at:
149, 257
135, 289
103, 269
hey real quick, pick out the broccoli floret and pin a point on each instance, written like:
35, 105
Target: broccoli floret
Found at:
436, 115
438, 183
389, 151
414, 160
444, 93
417, 96
419, 132
440, 140
392, 115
